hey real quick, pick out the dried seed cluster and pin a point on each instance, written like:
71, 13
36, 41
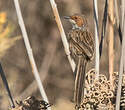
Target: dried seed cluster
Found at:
100, 94
31, 103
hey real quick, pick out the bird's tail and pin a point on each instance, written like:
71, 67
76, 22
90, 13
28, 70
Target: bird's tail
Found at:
80, 81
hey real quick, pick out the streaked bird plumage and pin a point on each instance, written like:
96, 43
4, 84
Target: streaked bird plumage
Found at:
81, 45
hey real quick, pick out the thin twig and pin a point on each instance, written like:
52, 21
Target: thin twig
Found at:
29, 51
95, 8
63, 36
6, 86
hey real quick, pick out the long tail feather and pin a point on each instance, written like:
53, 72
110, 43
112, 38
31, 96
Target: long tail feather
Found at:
80, 81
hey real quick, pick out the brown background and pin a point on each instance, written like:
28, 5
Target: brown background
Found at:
45, 40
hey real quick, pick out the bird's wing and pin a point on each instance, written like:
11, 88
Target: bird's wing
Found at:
83, 42
87, 42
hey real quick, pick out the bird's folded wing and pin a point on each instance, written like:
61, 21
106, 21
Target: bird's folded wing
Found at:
83, 42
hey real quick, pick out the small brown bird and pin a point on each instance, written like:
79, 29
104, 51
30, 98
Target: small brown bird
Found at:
81, 44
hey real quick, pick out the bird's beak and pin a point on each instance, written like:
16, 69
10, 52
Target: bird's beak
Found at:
66, 17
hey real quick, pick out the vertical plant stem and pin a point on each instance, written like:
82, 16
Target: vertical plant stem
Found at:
122, 21
122, 60
122, 13
122, 63
96, 38
117, 19
111, 39
29, 51
63, 36
6, 86
103, 31
116, 12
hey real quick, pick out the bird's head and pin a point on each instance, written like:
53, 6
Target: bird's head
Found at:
77, 21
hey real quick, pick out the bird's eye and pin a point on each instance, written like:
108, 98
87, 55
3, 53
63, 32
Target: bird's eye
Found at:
75, 17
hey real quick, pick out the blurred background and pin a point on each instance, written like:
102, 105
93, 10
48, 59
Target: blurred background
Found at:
45, 40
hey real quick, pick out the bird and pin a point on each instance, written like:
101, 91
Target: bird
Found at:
81, 46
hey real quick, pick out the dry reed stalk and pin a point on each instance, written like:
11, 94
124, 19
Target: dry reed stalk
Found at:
111, 39
116, 9
122, 21
63, 36
6, 86
122, 14
29, 51
46, 63
122, 60
95, 8
122, 63
103, 30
